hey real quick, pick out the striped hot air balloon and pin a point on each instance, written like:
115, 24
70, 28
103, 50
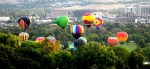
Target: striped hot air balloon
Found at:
122, 36
88, 19
112, 41
24, 36
39, 39
77, 31
24, 22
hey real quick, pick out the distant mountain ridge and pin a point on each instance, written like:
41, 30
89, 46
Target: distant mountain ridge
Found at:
53, 4
15, 1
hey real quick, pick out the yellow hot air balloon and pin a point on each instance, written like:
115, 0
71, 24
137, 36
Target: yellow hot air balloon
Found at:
88, 19
24, 36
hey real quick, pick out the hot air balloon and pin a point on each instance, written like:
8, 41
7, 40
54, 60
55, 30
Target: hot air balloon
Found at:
52, 39
62, 21
72, 47
78, 43
122, 36
24, 36
39, 39
77, 31
84, 39
24, 22
98, 22
112, 41
88, 19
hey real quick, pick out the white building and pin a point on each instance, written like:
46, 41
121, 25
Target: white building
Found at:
4, 18
130, 9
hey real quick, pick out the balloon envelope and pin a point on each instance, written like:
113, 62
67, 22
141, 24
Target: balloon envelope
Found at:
39, 39
24, 36
84, 39
24, 22
62, 21
77, 31
88, 19
112, 41
78, 43
98, 21
72, 47
122, 36
52, 39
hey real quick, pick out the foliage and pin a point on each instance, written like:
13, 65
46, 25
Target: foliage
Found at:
45, 55
9, 40
136, 59
146, 52
94, 54
122, 55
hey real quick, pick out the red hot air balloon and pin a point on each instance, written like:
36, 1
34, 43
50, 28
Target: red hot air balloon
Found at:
112, 41
24, 22
122, 36
39, 39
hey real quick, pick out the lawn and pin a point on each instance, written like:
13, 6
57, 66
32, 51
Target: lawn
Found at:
130, 46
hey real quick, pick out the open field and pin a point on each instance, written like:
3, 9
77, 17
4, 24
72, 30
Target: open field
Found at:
130, 46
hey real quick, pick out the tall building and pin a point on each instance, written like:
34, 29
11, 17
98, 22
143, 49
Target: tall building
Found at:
143, 10
127, 15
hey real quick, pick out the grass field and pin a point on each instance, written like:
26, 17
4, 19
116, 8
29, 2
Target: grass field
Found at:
130, 46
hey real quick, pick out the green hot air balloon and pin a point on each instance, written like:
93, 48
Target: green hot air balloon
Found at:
62, 21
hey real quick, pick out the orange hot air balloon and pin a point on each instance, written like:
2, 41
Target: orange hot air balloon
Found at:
24, 36
122, 36
39, 39
112, 41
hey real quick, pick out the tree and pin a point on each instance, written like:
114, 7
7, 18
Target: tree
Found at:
146, 51
5, 53
58, 59
136, 59
139, 40
9, 40
94, 53
122, 55
49, 46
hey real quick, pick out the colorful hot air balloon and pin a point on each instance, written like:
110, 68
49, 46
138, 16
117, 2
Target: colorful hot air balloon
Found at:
62, 21
112, 41
24, 22
88, 19
24, 36
52, 39
39, 39
72, 47
84, 39
77, 31
98, 22
122, 36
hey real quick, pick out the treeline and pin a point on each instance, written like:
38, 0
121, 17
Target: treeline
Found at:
138, 33
46, 55
94, 54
